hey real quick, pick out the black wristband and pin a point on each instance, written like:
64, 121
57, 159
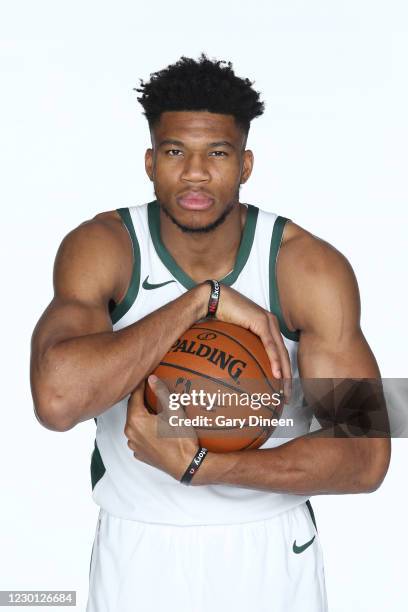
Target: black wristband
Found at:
194, 465
214, 298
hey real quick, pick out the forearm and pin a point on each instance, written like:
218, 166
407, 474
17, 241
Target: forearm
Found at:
88, 374
308, 465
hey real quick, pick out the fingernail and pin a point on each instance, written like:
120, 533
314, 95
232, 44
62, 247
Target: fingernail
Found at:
152, 379
278, 374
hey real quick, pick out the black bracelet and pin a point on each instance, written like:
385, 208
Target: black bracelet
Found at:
194, 465
214, 298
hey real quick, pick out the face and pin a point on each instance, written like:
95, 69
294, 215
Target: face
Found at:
197, 163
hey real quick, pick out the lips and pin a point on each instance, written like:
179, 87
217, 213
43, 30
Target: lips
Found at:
195, 200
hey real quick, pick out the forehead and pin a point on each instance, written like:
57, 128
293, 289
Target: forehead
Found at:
196, 125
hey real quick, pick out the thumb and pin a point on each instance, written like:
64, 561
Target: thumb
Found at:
161, 391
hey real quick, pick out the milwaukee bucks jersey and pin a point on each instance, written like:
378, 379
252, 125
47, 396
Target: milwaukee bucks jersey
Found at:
128, 488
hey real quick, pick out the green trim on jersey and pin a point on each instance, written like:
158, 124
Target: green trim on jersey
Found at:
97, 466
245, 246
274, 303
312, 516
122, 308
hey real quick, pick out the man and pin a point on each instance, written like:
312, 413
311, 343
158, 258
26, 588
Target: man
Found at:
128, 283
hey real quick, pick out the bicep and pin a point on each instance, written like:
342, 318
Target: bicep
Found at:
332, 344
85, 280
333, 351
68, 318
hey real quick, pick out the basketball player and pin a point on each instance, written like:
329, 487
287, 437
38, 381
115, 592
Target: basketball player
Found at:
128, 283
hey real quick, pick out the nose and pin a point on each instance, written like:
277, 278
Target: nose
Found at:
195, 168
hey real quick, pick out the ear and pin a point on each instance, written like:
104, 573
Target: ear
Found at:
247, 165
149, 163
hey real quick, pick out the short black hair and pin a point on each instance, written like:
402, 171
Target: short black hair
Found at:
200, 85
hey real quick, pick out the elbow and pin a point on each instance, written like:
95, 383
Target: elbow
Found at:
379, 464
51, 419
52, 415
50, 407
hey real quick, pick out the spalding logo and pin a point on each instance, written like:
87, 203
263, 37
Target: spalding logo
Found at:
219, 358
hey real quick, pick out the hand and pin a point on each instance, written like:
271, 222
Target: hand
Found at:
234, 307
151, 437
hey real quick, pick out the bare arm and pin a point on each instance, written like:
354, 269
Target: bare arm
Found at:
332, 346
79, 366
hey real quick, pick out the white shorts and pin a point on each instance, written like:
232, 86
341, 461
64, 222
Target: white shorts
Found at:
273, 565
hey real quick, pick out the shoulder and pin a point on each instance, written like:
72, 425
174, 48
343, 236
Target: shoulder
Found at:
98, 250
318, 281
106, 226
308, 250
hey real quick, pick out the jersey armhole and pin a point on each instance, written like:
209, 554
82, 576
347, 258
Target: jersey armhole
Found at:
97, 466
120, 309
274, 303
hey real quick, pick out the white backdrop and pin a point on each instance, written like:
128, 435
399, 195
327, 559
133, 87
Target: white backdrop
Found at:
331, 154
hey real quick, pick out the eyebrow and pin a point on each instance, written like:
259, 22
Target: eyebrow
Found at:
222, 143
170, 141
179, 143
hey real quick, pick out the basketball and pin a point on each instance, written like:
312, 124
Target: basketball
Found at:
221, 375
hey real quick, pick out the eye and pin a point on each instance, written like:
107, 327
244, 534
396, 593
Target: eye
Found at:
173, 152
218, 154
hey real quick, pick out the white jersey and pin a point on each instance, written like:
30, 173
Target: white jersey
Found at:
128, 488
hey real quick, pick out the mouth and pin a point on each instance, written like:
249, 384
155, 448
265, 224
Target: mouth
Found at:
195, 200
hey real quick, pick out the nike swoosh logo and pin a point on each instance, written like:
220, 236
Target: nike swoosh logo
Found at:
147, 285
300, 549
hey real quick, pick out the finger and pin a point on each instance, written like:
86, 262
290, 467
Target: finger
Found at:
135, 403
280, 370
269, 343
285, 364
160, 390
278, 356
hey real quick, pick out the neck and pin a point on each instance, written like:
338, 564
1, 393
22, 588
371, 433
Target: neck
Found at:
203, 256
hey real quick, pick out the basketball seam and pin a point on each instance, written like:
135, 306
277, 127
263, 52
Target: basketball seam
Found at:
242, 346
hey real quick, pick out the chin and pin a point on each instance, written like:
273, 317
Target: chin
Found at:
197, 221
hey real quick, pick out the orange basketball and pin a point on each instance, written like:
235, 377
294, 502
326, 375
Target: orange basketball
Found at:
221, 375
